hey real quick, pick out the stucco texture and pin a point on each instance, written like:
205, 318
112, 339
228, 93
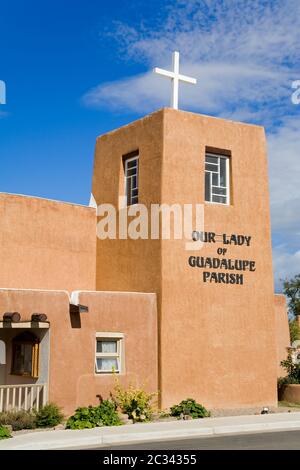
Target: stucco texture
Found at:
46, 244
216, 341
72, 378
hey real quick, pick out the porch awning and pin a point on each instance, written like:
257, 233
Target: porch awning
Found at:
24, 324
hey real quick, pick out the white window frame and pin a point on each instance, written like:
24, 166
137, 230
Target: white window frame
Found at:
227, 187
119, 355
126, 178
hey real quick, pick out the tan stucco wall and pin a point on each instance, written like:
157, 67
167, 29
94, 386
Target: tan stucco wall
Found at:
46, 244
126, 265
282, 331
216, 342
72, 380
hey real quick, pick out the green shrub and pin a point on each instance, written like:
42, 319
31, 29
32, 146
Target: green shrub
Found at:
48, 416
103, 415
4, 432
294, 330
135, 402
293, 372
191, 408
18, 419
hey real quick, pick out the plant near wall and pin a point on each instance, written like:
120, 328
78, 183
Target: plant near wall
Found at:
135, 402
293, 372
4, 433
18, 419
189, 407
94, 416
48, 416
294, 330
291, 289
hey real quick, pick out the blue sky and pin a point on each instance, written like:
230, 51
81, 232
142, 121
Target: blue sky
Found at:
76, 69
52, 52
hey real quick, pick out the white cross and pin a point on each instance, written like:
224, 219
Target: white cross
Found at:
175, 77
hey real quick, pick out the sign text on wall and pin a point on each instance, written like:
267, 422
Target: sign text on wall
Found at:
222, 263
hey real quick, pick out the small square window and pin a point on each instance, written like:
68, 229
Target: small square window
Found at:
109, 353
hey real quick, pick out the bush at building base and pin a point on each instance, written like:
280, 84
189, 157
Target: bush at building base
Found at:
94, 416
48, 416
4, 432
293, 372
189, 407
134, 402
18, 419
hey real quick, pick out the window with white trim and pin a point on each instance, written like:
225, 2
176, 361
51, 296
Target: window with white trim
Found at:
131, 171
109, 353
217, 179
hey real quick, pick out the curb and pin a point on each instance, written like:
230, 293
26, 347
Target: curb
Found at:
93, 438
203, 432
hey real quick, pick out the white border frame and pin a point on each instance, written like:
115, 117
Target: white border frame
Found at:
120, 354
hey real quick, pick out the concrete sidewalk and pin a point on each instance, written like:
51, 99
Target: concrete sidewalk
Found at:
107, 436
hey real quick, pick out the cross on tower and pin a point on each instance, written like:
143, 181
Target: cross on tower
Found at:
175, 77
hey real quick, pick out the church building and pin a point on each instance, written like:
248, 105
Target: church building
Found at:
78, 308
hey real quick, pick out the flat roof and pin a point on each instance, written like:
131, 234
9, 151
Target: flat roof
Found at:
46, 199
168, 109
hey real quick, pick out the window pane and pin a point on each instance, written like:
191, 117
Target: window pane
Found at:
209, 159
134, 182
131, 164
220, 199
27, 358
219, 191
107, 364
22, 360
128, 191
131, 172
207, 186
215, 179
209, 167
223, 176
18, 359
106, 346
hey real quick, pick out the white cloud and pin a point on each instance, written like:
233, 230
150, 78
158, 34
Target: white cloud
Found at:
284, 170
284, 149
240, 83
285, 264
245, 55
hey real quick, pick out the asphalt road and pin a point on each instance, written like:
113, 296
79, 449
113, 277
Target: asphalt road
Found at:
288, 440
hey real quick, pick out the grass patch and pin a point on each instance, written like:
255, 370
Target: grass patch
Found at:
286, 404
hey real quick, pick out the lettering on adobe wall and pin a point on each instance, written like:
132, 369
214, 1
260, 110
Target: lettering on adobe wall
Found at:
234, 268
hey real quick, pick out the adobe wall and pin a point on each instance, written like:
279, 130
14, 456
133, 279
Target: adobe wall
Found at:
216, 340
72, 378
222, 340
46, 244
